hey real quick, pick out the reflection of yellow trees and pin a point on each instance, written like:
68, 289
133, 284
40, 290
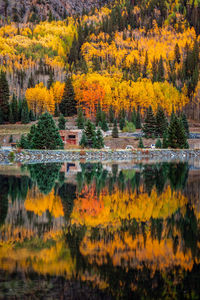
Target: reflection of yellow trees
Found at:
40, 203
127, 205
126, 252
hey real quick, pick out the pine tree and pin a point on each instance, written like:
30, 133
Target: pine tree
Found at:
115, 133
68, 104
80, 121
149, 127
138, 120
90, 133
133, 116
84, 141
161, 71
172, 139
122, 123
11, 119
23, 143
4, 96
141, 145
158, 144
31, 116
104, 125
46, 135
161, 122
61, 122
14, 108
185, 123
50, 80
99, 139
165, 140
154, 69
98, 114
11, 139
144, 72
177, 54
24, 113
177, 137
111, 114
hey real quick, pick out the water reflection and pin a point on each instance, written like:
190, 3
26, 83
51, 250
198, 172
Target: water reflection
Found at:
119, 232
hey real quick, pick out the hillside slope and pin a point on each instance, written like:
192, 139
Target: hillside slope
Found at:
37, 10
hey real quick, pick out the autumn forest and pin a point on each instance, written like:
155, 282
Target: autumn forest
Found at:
128, 54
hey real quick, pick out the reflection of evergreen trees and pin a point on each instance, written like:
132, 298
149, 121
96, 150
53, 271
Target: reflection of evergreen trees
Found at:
45, 175
4, 188
67, 193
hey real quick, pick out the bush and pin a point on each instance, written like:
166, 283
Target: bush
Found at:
129, 127
158, 144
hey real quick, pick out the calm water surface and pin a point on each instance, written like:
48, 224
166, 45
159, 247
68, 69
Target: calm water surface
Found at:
93, 231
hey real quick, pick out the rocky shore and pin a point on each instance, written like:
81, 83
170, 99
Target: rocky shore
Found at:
45, 156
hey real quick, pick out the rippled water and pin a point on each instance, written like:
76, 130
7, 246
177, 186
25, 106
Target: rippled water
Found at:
93, 231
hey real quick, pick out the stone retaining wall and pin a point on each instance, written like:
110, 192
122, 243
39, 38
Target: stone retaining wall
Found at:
37, 156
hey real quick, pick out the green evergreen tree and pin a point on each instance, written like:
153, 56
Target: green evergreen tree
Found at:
138, 120
133, 116
50, 80
177, 54
149, 127
68, 104
177, 137
154, 69
161, 122
84, 141
61, 122
185, 123
14, 108
46, 134
11, 119
80, 121
4, 96
30, 135
31, 116
122, 123
104, 125
99, 139
25, 113
98, 114
19, 109
140, 144
144, 72
111, 114
23, 143
115, 133
158, 143
165, 140
90, 133
1, 116
161, 71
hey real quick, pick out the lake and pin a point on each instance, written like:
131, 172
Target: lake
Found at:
100, 231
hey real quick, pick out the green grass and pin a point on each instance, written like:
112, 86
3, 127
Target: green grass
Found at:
14, 129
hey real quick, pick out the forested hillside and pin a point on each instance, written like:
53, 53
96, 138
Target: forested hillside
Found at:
128, 54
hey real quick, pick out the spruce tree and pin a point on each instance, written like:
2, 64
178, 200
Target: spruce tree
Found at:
23, 143
138, 120
68, 104
31, 116
80, 121
61, 122
185, 123
149, 127
140, 144
177, 137
122, 123
111, 114
158, 144
177, 54
115, 133
144, 72
90, 133
11, 119
104, 125
99, 139
98, 114
154, 69
172, 139
161, 71
50, 80
25, 113
14, 108
161, 122
46, 135
84, 141
4, 97
165, 140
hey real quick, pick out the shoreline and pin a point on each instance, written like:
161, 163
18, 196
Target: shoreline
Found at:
45, 156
